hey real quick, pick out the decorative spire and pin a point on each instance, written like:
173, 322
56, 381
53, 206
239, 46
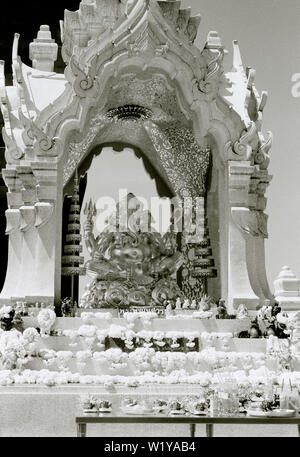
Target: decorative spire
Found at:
237, 58
43, 50
72, 261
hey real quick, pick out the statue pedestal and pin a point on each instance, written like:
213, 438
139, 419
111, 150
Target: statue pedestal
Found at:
287, 290
289, 303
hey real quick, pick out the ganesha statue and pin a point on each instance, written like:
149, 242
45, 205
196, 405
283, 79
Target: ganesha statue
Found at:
130, 266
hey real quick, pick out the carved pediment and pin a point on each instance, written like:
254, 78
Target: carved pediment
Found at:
100, 18
88, 23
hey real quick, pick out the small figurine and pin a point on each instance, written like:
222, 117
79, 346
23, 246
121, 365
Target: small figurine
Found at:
7, 317
10, 319
276, 309
293, 328
169, 309
221, 310
205, 303
242, 312
67, 308
19, 308
178, 303
186, 304
193, 304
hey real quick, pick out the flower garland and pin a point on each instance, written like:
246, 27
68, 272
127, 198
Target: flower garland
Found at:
142, 359
10, 318
62, 359
146, 359
150, 338
16, 349
46, 319
280, 351
145, 317
48, 356
115, 357
209, 339
167, 362
244, 381
82, 357
194, 315
88, 317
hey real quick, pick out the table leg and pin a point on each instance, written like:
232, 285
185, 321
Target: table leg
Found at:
209, 430
192, 430
298, 430
81, 430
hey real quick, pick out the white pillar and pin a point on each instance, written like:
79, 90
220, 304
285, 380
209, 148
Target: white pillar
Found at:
240, 289
13, 218
44, 271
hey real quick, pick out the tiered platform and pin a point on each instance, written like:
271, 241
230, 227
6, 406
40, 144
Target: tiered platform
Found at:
49, 403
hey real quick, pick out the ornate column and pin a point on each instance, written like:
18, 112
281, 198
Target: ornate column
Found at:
248, 282
26, 284
243, 286
13, 230
48, 217
259, 266
199, 264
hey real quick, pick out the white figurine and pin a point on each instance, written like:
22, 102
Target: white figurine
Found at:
193, 304
169, 310
178, 303
186, 304
242, 312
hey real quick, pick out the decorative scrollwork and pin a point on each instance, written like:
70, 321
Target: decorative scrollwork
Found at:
27, 134
210, 83
45, 146
13, 152
84, 84
242, 147
262, 157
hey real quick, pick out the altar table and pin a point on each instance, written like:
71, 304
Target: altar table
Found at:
192, 421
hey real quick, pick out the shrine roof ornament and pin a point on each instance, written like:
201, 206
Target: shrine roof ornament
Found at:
134, 76
109, 18
107, 41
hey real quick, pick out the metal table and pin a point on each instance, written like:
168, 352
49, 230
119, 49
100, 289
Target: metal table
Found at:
192, 421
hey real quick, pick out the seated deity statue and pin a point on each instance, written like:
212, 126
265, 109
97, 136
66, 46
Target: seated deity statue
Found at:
242, 312
130, 267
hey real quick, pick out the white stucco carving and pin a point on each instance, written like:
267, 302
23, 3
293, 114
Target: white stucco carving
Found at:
50, 116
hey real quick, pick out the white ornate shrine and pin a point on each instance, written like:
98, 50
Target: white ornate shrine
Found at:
141, 55
134, 78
